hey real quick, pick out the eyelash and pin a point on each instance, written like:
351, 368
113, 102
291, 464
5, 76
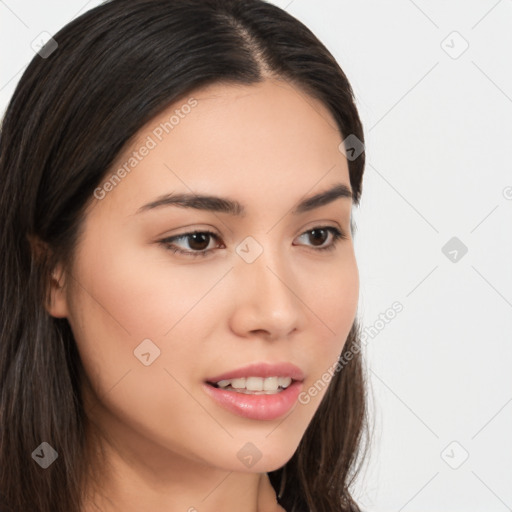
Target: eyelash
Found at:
167, 242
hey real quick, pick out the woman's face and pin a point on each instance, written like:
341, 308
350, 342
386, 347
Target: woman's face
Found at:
152, 325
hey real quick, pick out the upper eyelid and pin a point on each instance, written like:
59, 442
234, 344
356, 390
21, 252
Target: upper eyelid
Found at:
173, 238
213, 233
317, 225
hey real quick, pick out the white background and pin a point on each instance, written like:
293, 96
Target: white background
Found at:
438, 127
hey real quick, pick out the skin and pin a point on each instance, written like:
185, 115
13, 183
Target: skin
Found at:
168, 445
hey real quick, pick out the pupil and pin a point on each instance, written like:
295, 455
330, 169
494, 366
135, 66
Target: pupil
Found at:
314, 235
199, 238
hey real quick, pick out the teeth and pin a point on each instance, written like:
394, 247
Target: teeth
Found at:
256, 383
268, 384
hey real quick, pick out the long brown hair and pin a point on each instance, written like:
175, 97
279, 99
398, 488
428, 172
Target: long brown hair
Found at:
74, 109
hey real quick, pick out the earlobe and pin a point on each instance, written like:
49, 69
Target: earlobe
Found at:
56, 304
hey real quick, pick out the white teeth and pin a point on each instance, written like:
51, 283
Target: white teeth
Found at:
256, 383
269, 384
284, 382
238, 383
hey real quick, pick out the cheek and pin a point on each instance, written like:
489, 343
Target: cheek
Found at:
139, 293
126, 297
332, 298
113, 311
335, 295
331, 292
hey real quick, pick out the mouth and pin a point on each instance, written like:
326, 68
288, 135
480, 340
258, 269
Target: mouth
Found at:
254, 385
258, 378
259, 391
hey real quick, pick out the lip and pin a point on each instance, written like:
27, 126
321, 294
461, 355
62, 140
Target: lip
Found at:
253, 406
261, 370
256, 407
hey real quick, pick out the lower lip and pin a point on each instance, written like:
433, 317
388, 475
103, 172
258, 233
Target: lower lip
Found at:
256, 407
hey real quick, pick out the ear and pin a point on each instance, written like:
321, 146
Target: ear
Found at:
57, 302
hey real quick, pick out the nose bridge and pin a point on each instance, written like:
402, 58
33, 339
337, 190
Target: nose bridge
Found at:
264, 261
267, 286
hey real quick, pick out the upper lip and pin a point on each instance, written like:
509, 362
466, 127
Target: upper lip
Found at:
261, 370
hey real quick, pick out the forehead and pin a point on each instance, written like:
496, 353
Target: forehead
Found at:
259, 142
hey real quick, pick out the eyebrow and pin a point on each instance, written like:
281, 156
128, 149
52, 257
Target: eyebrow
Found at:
232, 207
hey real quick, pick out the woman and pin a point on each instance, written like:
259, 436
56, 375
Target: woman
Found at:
179, 285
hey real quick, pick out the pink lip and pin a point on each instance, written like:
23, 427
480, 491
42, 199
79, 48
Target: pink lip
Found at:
256, 407
261, 370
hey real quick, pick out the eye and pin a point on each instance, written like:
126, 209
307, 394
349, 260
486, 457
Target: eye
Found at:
320, 234
199, 241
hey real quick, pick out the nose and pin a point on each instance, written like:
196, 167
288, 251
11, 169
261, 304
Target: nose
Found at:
266, 300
